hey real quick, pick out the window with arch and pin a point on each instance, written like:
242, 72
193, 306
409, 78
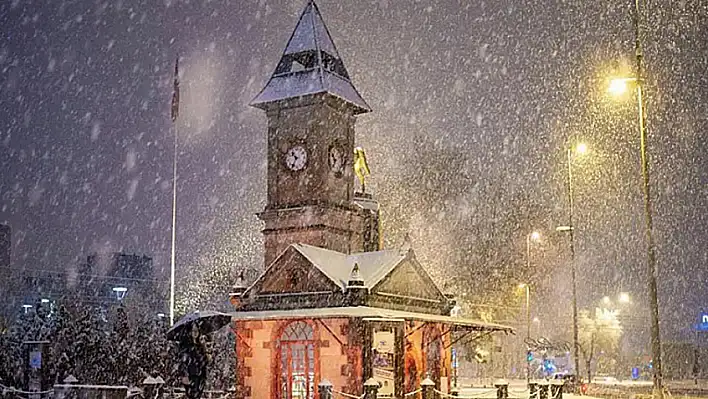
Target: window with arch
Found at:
296, 373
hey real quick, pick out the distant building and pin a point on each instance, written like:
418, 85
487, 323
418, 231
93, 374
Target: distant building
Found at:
5, 265
107, 278
100, 281
5, 246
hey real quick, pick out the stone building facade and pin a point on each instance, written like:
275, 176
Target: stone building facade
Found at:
332, 303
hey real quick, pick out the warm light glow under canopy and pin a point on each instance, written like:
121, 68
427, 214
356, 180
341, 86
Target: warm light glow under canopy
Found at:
535, 235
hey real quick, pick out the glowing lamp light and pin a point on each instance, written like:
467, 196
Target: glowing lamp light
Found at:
581, 148
535, 235
617, 87
120, 292
44, 300
606, 300
624, 297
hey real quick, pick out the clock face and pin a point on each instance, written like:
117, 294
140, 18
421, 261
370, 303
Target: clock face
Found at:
336, 160
296, 158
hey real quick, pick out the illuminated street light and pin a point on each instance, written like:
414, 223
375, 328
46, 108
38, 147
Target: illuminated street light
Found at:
624, 297
617, 86
581, 148
606, 300
120, 292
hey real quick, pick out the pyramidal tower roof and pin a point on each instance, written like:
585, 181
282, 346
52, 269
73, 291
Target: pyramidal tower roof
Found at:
310, 65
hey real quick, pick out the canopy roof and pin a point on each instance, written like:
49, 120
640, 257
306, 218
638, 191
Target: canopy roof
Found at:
369, 314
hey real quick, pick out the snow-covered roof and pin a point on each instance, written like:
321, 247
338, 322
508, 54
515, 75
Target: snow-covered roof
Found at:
368, 313
310, 65
373, 266
311, 33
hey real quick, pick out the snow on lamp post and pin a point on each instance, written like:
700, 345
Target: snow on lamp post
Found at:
618, 87
579, 149
527, 289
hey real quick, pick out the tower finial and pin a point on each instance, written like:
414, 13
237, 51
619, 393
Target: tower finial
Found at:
240, 285
355, 279
406, 245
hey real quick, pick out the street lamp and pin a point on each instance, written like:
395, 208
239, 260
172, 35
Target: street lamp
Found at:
120, 292
527, 288
616, 86
624, 297
619, 86
580, 149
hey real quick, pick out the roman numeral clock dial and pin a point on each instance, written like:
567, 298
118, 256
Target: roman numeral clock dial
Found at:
296, 158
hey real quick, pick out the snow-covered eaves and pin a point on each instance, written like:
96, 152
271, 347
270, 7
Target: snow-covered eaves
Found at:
370, 314
309, 82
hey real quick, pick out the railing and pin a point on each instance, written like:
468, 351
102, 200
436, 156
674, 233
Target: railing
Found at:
427, 390
14, 393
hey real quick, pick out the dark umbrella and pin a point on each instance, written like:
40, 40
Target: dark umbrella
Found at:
206, 321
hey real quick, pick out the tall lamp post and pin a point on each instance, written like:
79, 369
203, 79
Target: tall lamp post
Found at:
527, 288
532, 236
618, 86
580, 149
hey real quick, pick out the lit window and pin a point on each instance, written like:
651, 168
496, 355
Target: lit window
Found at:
297, 362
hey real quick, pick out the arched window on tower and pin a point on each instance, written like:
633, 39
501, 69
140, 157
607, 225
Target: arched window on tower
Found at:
296, 362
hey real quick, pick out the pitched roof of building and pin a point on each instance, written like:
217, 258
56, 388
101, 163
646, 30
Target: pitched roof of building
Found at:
373, 266
310, 65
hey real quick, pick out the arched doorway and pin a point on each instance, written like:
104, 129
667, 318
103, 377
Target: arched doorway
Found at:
296, 362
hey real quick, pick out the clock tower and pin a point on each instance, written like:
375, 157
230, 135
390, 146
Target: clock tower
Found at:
311, 106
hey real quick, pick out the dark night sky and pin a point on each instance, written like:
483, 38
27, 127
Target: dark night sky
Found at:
85, 135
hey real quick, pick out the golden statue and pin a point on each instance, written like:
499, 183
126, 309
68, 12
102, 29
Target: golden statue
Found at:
361, 167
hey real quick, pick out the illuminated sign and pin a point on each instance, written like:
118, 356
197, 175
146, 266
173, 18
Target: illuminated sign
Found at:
702, 322
35, 360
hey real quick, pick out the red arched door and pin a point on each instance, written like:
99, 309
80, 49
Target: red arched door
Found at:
296, 372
